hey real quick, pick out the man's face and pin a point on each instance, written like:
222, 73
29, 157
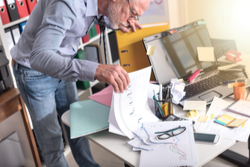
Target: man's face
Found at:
119, 13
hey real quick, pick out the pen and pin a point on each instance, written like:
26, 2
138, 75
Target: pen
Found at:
194, 75
160, 92
159, 106
227, 82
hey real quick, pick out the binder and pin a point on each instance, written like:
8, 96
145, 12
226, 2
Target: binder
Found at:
12, 10
82, 84
85, 38
98, 31
4, 13
31, 4
22, 8
15, 33
9, 38
131, 49
22, 26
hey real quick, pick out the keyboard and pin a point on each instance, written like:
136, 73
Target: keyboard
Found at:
207, 83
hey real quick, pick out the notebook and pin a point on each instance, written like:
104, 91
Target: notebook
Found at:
86, 119
240, 107
175, 56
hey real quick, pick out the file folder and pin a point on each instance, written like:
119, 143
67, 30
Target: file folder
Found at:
9, 38
4, 13
22, 26
22, 8
12, 10
31, 4
86, 119
15, 33
131, 49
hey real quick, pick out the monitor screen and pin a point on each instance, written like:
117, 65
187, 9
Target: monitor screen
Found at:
175, 54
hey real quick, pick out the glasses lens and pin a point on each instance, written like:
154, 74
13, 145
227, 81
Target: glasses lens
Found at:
178, 131
164, 136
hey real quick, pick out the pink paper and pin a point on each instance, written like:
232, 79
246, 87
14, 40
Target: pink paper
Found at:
104, 96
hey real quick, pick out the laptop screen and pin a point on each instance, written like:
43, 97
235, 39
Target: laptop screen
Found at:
175, 54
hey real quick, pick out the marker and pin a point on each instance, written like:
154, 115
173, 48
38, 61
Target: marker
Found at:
194, 75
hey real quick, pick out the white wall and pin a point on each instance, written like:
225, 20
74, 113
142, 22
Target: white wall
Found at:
225, 19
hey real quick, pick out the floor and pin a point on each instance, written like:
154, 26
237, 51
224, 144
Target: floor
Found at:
105, 159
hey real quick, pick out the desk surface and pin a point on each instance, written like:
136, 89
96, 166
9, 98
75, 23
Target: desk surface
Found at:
117, 145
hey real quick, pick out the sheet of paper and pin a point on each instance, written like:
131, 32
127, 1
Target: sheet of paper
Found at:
113, 126
182, 151
226, 67
138, 144
194, 105
104, 96
142, 135
177, 90
219, 107
131, 107
206, 53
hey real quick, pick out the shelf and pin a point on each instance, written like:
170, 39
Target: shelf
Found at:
97, 37
80, 92
15, 22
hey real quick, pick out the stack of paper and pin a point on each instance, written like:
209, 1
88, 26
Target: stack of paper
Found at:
130, 109
178, 150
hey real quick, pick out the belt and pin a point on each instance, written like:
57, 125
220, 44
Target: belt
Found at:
12, 62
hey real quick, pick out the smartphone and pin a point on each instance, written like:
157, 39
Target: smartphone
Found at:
205, 137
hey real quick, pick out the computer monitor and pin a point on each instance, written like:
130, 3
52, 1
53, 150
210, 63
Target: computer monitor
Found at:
175, 54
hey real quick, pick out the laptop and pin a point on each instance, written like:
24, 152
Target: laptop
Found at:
175, 56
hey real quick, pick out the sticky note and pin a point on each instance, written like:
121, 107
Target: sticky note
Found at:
243, 124
194, 105
206, 53
236, 123
203, 119
230, 85
212, 116
151, 50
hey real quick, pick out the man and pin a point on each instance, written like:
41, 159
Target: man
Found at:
46, 72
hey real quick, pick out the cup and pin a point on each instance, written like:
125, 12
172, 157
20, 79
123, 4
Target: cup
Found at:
239, 91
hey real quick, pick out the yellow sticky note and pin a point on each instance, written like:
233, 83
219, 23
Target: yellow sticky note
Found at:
236, 123
203, 119
230, 85
206, 53
151, 50
212, 116
243, 124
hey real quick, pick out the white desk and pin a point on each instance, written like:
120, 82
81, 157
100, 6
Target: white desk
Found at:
117, 145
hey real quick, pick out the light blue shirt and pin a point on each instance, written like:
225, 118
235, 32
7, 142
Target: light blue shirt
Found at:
51, 38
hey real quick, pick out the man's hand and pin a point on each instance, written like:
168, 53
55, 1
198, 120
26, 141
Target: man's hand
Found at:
114, 75
132, 24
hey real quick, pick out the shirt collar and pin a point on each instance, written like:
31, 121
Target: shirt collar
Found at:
92, 8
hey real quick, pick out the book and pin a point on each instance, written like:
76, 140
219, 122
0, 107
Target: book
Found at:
240, 107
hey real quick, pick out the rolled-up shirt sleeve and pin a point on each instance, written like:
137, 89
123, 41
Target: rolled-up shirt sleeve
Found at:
49, 37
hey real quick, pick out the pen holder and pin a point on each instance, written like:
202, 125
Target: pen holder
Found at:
158, 112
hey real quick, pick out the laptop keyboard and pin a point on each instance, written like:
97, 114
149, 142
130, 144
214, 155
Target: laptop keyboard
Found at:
206, 84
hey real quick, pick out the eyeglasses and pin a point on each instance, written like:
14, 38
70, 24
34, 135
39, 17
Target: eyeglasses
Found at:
170, 133
132, 15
